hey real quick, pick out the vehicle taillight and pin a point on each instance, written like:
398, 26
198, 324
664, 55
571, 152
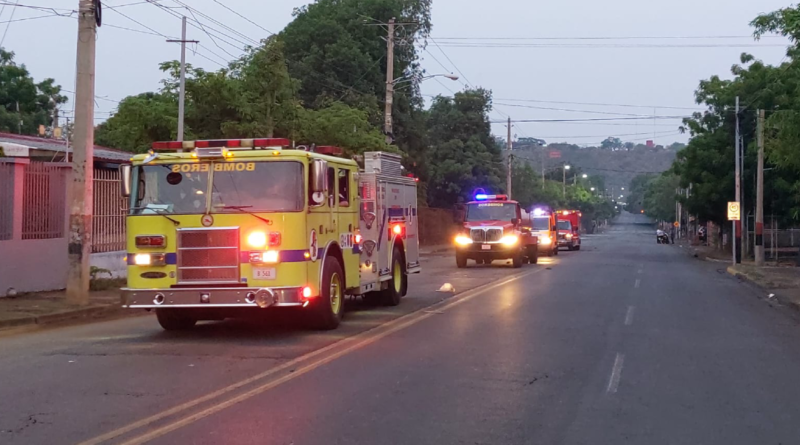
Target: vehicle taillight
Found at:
358, 238
397, 229
144, 241
306, 292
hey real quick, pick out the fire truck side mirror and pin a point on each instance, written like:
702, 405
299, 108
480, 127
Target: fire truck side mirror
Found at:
125, 179
319, 176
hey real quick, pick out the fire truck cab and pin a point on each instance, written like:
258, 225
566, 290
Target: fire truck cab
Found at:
569, 229
493, 229
226, 228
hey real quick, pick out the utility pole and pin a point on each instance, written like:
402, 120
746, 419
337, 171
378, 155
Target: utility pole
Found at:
387, 114
542, 167
81, 208
759, 229
182, 93
508, 173
737, 225
564, 181
19, 120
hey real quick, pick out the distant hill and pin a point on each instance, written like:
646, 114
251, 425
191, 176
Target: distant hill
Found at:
617, 166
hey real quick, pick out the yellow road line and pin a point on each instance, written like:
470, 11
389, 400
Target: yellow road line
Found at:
358, 341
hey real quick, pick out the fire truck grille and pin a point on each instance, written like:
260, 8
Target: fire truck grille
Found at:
486, 235
208, 255
494, 235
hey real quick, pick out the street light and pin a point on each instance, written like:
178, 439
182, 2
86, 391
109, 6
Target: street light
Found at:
622, 188
564, 181
586, 176
592, 189
410, 78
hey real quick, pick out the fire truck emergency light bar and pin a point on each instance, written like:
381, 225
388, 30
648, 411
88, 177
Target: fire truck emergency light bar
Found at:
223, 143
484, 197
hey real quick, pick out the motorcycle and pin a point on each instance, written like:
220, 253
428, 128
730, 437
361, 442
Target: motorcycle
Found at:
662, 237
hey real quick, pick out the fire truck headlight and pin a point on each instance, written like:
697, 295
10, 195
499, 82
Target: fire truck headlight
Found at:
270, 256
148, 259
545, 240
569, 236
142, 259
509, 240
463, 240
257, 239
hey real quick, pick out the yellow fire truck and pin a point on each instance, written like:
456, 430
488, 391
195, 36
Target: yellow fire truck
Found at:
223, 228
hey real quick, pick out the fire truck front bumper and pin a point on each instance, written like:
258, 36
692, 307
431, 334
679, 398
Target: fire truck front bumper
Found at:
222, 297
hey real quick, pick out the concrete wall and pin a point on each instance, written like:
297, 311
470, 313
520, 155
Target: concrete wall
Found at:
436, 226
31, 265
114, 262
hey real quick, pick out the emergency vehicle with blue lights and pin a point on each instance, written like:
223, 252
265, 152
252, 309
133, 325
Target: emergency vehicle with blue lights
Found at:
226, 228
542, 220
493, 229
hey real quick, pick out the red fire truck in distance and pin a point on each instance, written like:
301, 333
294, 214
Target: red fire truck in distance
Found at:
569, 229
492, 230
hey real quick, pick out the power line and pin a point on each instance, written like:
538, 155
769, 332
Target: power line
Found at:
600, 104
606, 45
8, 25
451, 62
573, 110
607, 38
593, 119
240, 15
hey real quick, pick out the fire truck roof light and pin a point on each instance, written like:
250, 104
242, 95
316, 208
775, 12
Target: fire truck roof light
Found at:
538, 212
220, 143
482, 197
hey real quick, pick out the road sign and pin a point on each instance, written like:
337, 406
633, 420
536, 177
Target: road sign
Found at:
676, 224
734, 212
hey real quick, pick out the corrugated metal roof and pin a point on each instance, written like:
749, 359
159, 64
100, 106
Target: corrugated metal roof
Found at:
103, 153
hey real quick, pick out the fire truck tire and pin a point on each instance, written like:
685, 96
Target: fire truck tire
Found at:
391, 296
174, 320
461, 260
517, 259
533, 254
329, 306
578, 247
555, 251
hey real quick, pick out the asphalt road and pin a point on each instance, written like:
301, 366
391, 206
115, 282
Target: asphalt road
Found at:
625, 341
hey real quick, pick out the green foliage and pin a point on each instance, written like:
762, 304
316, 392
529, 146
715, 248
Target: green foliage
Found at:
139, 121
342, 126
18, 90
659, 197
462, 153
636, 192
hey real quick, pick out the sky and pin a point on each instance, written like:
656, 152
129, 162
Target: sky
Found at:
542, 60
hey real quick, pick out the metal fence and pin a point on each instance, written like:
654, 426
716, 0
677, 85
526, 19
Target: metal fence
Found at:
6, 201
779, 243
108, 228
43, 201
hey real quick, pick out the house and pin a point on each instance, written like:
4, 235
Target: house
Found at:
34, 212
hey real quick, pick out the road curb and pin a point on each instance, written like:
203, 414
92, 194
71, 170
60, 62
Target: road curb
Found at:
94, 313
746, 278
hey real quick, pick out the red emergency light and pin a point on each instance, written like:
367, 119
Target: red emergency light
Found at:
329, 150
222, 143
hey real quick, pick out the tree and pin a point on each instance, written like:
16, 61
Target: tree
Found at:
660, 197
24, 101
139, 121
611, 143
462, 153
342, 126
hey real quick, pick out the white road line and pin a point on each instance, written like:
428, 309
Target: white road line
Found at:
616, 374
629, 316
636, 284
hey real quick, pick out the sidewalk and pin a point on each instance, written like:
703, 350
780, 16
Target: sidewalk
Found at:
45, 308
781, 281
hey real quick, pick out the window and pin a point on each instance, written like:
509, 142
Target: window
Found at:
541, 223
331, 186
491, 211
564, 225
344, 188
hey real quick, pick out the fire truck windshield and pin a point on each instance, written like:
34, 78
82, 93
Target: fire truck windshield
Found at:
275, 186
491, 211
564, 225
541, 223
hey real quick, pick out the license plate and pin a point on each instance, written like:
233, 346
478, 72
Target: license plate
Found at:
264, 273
486, 247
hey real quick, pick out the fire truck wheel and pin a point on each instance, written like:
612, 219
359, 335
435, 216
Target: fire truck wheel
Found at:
461, 260
174, 320
517, 260
391, 296
578, 247
329, 306
555, 251
533, 254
